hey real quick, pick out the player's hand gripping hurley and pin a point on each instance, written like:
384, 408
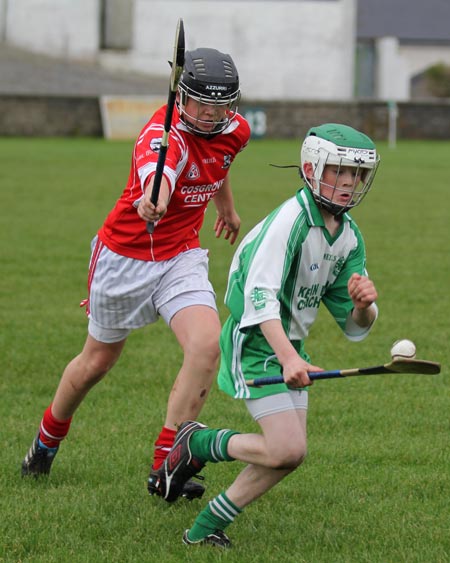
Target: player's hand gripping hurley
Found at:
175, 75
422, 367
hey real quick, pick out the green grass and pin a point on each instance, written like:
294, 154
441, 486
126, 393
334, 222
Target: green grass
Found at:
376, 485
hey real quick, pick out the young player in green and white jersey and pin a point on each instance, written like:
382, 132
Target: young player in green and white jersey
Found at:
307, 251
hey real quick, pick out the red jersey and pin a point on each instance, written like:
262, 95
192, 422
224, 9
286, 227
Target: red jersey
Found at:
195, 168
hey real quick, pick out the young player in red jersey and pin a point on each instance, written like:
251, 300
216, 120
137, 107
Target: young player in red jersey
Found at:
136, 277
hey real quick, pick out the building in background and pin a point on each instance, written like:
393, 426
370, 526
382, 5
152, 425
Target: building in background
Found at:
398, 41
284, 49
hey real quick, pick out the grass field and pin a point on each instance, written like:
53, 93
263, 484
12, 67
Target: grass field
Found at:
376, 485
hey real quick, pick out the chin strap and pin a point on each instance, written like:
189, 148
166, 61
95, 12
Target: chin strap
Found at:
285, 166
289, 166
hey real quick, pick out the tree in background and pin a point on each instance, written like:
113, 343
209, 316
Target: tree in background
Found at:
438, 80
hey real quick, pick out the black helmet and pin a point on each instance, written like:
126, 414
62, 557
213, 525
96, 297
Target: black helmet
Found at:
209, 77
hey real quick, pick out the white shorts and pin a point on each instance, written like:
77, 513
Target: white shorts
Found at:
125, 294
280, 402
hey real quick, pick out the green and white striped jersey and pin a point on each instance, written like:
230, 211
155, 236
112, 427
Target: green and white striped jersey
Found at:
283, 268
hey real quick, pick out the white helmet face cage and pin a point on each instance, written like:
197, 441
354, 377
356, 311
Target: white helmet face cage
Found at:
220, 120
320, 153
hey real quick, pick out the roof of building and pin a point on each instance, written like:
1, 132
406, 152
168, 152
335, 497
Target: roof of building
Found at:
421, 21
27, 73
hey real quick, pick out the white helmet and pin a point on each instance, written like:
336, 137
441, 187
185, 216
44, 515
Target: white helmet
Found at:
338, 145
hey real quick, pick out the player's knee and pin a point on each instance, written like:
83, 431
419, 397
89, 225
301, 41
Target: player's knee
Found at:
290, 457
97, 366
204, 349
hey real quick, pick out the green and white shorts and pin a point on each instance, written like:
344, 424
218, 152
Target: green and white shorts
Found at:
247, 355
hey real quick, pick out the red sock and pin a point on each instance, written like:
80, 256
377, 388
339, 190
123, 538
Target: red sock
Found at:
162, 446
52, 430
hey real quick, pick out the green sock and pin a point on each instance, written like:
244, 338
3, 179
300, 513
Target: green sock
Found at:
211, 445
218, 514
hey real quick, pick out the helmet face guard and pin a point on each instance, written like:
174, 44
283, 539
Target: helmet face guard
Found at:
341, 147
209, 78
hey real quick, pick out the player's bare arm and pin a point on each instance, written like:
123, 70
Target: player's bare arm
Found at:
227, 218
363, 294
295, 368
146, 209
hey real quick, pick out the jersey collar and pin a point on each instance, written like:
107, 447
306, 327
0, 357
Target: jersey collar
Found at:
314, 216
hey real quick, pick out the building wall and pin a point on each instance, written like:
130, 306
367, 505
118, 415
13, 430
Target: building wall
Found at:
398, 63
284, 49
420, 57
60, 28
42, 116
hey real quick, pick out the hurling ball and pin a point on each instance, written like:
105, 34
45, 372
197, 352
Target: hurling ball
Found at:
403, 349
